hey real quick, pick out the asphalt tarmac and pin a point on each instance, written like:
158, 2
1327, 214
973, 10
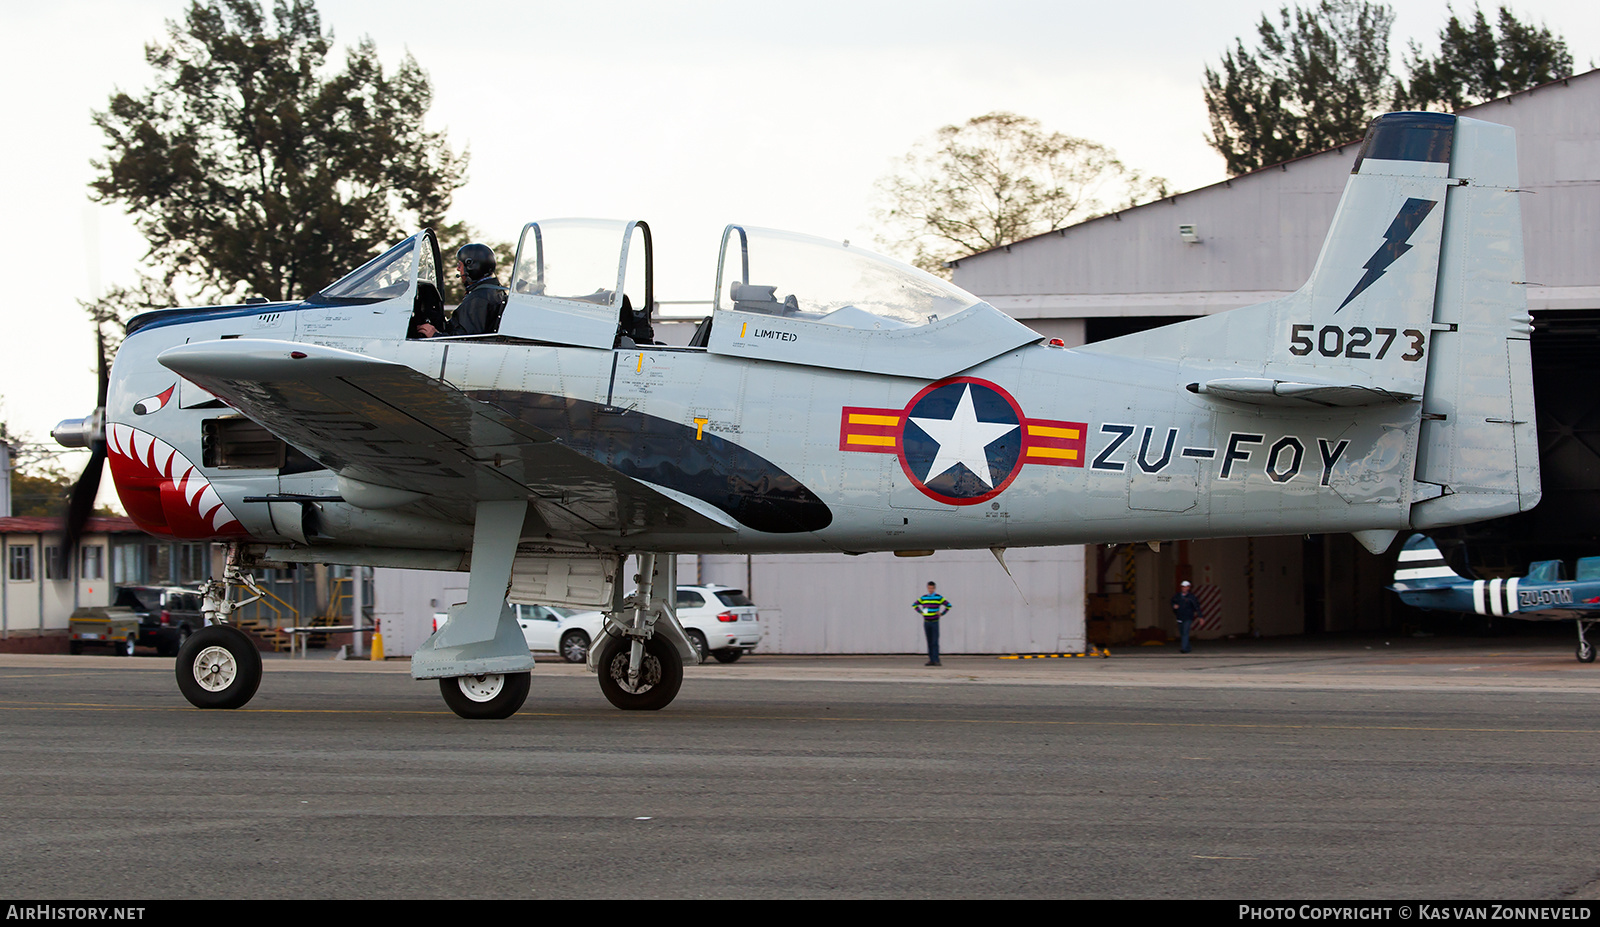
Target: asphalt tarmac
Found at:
1370, 769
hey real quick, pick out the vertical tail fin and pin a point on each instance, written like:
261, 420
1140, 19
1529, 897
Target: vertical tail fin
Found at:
1422, 566
1414, 321
1442, 292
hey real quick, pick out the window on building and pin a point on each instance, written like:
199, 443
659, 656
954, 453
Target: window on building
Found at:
158, 564
93, 563
126, 564
21, 564
55, 565
193, 565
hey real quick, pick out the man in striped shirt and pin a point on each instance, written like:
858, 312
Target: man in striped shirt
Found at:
932, 607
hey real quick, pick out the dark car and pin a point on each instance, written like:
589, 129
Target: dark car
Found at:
167, 615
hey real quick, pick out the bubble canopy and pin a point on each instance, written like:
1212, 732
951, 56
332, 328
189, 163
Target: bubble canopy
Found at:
798, 299
787, 274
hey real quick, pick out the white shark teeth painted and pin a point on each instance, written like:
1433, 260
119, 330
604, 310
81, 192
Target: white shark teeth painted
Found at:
156, 455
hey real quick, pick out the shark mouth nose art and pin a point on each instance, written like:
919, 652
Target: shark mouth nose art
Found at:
164, 493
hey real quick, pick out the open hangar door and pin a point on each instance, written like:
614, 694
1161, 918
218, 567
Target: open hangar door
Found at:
1565, 525
1249, 587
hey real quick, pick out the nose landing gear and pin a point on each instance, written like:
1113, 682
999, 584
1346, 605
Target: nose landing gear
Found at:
219, 665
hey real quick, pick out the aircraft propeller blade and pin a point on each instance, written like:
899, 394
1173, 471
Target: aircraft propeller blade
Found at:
80, 504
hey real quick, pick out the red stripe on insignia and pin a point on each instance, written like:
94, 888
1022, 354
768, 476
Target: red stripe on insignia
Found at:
1056, 444
875, 431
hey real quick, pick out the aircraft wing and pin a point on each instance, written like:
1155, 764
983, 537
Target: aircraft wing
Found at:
385, 424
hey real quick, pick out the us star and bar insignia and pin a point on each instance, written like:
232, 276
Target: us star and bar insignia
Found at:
962, 440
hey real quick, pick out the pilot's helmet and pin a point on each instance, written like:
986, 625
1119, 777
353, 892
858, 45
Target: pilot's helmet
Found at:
477, 261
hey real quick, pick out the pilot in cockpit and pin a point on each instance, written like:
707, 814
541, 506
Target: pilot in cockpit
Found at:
480, 309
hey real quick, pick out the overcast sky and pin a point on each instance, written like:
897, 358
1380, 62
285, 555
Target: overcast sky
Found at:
687, 114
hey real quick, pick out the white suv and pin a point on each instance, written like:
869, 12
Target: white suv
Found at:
721, 622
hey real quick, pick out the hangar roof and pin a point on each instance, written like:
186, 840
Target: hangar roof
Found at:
1259, 233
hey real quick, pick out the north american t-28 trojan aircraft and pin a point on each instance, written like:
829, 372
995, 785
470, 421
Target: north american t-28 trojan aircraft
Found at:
1423, 580
834, 400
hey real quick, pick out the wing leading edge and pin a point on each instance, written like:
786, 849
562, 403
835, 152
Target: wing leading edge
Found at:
385, 424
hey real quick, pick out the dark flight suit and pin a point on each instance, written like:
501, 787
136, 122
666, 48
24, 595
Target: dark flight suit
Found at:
480, 310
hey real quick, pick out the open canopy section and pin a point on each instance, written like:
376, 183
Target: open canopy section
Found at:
795, 298
573, 278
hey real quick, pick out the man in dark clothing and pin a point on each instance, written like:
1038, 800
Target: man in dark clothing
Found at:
1186, 608
932, 607
480, 309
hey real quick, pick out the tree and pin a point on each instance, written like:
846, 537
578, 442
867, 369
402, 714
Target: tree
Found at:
1320, 75
1480, 63
996, 179
111, 312
41, 493
252, 170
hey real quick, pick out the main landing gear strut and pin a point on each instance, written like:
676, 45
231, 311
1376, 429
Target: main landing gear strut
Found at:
639, 656
1585, 647
480, 656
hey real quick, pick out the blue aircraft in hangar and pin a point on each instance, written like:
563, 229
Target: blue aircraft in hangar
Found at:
1423, 580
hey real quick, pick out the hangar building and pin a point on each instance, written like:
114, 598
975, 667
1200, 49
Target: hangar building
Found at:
1243, 241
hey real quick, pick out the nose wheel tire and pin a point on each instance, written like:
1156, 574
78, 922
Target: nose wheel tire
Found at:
218, 667
660, 676
492, 696
1585, 652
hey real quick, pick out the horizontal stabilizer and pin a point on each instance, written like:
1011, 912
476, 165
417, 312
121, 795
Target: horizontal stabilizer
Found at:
1284, 393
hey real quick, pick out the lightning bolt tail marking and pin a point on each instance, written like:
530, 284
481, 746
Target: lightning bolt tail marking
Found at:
1395, 243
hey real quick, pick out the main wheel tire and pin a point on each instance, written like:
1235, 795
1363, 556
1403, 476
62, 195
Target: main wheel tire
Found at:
493, 696
574, 647
700, 648
727, 654
1586, 652
660, 677
218, 667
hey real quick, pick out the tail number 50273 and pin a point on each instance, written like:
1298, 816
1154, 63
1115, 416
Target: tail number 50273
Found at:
1358, 342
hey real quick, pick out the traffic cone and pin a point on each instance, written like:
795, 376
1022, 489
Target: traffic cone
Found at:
377, 644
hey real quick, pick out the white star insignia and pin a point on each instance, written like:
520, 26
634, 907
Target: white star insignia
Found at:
962, 440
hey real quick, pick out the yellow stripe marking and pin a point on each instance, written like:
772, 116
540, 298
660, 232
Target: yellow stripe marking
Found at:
875, 440
1045, 431
858, 418
1064, 453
